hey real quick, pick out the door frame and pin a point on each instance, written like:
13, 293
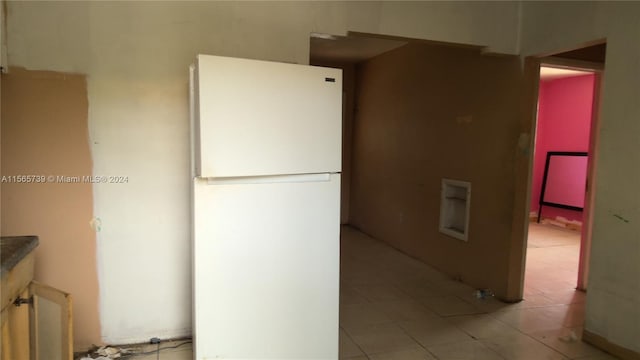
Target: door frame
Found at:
524, 166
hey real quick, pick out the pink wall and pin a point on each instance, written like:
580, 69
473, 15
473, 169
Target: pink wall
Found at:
564, 122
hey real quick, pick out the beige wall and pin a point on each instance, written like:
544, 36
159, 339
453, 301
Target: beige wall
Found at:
613, 297
44, 132
409, 134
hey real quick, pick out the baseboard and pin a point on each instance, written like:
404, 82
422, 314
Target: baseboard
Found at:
604, 344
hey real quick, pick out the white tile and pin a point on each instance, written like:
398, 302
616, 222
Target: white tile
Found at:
466, 350
528, 320
454, 287
553, 254
567, 341
541, 235
348, 348
522, 348
380, 338
410, 353
365, 277
449, 306
434, 332
349, 296
362, 314
377, 292
420, 289
405, 310
571, 315
528, 288
483, 326
489, 304
535, 300
568, 283
600, 356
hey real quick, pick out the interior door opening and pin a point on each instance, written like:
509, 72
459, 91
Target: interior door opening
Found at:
562, 184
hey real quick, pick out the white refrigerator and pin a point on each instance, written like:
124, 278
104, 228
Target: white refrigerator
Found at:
266, 162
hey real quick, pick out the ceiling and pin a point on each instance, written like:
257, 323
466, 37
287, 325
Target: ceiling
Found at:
550, 73
356, 48
595, 53
349, 49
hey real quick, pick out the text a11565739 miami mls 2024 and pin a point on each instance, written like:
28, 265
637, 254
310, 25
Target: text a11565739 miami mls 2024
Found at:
64, 179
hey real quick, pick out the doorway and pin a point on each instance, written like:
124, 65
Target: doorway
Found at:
562, 178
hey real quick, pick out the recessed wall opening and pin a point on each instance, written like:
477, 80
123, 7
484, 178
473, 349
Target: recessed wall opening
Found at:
455, 203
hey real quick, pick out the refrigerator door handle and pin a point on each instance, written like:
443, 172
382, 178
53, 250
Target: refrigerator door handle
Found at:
269, 179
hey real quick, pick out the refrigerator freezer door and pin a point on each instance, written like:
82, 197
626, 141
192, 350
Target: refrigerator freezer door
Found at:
257, 118
266, 269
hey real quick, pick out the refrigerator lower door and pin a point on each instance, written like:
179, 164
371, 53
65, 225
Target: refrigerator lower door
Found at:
266, 268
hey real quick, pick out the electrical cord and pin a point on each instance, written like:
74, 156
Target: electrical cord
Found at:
157, 351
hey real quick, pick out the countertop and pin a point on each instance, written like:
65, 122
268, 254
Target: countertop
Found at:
15, 248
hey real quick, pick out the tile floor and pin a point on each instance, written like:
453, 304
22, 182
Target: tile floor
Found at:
395, 308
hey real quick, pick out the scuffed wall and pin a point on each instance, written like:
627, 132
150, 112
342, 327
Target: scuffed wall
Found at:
45, 134
431, 112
